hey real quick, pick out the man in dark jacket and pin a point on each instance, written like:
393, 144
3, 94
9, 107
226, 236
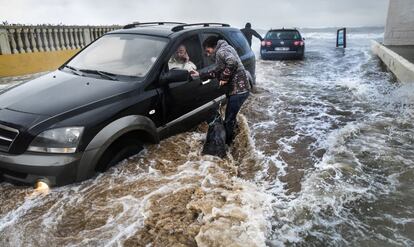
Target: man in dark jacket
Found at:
230, 72
249, 32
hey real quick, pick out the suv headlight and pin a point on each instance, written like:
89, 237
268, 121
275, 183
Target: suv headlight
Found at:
61, 140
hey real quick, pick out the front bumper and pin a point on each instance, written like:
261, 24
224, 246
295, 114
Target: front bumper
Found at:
27, 168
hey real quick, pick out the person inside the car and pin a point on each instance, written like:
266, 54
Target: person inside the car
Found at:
181, 60
230, 72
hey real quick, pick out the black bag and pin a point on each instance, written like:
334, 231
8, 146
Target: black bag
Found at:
216, 138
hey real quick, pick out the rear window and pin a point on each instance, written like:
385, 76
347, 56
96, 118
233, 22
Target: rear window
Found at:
239, 40
282, 34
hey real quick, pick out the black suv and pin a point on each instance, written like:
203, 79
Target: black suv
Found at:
282, 44
102, 105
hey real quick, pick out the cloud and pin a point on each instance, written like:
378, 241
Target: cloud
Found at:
264, 13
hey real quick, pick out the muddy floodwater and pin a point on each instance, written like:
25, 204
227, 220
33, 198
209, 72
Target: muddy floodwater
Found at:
323, 157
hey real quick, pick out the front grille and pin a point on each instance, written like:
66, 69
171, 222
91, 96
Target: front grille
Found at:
7, 137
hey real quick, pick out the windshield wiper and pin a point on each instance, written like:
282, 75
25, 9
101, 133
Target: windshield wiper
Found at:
104, 74
74, 70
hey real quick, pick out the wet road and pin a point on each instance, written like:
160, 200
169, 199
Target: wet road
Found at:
323, 158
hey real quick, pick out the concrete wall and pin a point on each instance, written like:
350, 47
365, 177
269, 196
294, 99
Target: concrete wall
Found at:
399, 29
399, 66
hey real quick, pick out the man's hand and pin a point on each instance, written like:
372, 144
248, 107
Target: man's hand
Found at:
222, 83
194, 73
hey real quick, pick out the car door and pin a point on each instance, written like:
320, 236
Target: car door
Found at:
182, 98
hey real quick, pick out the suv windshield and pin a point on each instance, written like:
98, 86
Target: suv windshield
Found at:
120, 54
286, 35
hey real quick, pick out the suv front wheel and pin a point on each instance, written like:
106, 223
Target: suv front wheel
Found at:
121, 149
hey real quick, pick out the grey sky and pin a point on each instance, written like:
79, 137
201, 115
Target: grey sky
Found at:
261, 13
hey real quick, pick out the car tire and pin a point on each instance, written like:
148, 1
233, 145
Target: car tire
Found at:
118, 151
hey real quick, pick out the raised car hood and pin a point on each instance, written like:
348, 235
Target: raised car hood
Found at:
59, 92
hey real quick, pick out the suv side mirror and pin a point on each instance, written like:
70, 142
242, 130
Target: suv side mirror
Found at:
174, 75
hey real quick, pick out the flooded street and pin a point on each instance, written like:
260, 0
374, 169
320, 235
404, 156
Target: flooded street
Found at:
323, 157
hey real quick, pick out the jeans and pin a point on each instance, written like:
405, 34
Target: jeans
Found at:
234, 103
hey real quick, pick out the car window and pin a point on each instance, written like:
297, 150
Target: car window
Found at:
286, 35
187, 55
241, 44
121, 54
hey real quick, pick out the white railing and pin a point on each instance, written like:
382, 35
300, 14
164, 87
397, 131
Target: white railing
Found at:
15, 39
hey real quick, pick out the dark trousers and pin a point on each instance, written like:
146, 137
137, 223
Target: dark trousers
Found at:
234, 103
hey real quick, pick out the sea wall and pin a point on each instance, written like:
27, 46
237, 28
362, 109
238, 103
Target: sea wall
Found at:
401, 67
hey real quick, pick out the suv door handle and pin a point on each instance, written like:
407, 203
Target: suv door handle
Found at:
205, 82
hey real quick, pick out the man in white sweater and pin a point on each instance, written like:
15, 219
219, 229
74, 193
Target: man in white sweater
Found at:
181, 60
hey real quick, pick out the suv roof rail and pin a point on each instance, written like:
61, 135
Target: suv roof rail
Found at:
137, 24
206, 24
